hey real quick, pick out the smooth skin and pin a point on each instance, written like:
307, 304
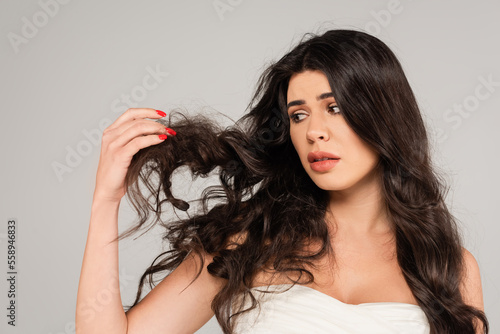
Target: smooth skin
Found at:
365, 252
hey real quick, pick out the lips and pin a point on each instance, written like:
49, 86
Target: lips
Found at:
320, 156
322, 162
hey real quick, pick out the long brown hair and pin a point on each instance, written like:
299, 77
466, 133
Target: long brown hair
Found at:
265, 193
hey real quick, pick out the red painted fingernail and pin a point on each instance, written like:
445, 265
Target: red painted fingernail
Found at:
161, 113
170, 131
162, 137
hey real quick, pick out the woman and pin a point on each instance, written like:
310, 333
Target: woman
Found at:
329, 217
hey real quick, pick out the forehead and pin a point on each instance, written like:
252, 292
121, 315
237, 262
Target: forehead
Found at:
308, 86
306, 83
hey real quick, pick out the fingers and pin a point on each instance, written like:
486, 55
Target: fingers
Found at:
141, 142
131, 124
138, 128
120, 142
136, 113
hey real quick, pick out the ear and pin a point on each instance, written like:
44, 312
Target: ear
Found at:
471, 287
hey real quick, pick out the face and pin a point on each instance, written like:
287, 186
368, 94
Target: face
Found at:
320, 135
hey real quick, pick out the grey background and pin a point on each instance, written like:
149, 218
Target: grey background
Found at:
62, 83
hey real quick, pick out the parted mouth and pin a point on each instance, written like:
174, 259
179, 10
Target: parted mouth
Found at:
321, 156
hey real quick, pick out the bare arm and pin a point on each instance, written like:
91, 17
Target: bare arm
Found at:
175, 305
168, 308
99, 305
471, 286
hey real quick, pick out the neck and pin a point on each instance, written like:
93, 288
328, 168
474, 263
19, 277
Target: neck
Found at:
360, 211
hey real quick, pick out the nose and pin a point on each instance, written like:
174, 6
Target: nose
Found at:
317, 129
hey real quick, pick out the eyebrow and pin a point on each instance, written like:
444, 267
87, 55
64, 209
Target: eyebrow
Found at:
301, 102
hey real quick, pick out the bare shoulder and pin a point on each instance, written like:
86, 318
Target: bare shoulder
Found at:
471, 286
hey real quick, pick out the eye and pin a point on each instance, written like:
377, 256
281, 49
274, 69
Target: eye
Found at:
334, 108
297, 117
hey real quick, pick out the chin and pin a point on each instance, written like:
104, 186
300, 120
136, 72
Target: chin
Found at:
328, 183
330, 187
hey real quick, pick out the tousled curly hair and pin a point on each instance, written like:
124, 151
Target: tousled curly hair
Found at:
265, 193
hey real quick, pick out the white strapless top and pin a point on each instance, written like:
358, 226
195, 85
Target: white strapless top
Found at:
301, 309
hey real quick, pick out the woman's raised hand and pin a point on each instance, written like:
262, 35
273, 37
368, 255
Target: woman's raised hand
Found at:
120, 141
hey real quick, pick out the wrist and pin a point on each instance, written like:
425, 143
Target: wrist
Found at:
106, 200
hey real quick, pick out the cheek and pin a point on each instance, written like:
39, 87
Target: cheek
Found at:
364, 156
293, 138
358, 152
298, 144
